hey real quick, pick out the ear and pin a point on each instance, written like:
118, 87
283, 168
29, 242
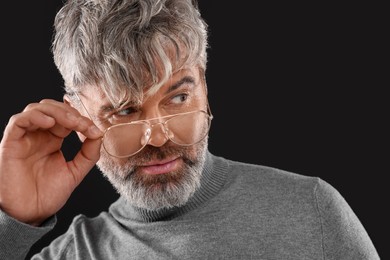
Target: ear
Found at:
66, 99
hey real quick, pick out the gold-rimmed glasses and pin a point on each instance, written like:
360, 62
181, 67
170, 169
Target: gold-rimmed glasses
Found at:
185, 129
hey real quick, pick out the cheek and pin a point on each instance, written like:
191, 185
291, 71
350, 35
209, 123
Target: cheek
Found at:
106, 159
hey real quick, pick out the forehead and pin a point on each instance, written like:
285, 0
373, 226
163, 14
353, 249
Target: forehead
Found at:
94, 94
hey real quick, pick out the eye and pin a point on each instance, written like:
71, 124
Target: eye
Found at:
123, 115
125, 111
181, 98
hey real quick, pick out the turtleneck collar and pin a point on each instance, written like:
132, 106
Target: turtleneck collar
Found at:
212, 180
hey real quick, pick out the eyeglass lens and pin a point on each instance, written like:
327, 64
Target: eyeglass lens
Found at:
124, 140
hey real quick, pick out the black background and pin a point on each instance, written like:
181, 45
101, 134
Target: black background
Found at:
294, 86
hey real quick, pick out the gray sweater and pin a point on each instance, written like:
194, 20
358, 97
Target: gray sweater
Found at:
241, 211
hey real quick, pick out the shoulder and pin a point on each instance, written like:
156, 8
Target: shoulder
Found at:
270, 187
272, 178
344, 236
82, 223
76, 240
268, 177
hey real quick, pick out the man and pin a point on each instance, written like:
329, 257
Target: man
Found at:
136, 94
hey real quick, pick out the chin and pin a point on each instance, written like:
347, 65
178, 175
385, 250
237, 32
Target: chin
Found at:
155, 191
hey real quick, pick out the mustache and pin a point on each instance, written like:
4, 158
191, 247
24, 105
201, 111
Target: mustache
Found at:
150, 152
157, 153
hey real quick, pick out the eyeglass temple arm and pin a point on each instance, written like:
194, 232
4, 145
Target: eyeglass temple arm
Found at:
82, 104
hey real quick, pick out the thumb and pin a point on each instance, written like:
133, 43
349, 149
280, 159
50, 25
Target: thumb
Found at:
85, 159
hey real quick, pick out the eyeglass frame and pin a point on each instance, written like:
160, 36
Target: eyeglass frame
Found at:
147, 121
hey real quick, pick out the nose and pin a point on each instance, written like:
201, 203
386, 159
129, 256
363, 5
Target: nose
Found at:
158, 135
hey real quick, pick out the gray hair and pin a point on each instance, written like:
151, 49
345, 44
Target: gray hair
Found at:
127, 46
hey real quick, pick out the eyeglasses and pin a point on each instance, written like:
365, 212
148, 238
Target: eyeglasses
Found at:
185, 129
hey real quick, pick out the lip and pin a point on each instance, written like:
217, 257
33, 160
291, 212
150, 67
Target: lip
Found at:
160, 166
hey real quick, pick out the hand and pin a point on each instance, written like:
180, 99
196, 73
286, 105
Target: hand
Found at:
35, 178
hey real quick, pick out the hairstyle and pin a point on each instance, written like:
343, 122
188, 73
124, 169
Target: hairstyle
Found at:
127, 46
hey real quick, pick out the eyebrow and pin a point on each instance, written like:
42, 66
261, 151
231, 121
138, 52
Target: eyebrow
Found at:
185, 79
178, 84
109, 107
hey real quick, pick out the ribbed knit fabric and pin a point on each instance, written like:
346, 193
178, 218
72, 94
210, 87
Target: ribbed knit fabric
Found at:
241, 211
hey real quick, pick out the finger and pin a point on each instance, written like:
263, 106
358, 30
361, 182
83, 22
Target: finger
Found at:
20, 123
92, 131
45, 115
85, 159
85, 125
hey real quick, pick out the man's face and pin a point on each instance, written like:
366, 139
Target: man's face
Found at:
162, 174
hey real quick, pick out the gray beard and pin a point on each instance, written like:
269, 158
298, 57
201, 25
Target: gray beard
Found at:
161, 191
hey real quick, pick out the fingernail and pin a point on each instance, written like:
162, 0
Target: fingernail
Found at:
94, 130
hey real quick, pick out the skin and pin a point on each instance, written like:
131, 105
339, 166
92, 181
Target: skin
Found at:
35, 178
163, 174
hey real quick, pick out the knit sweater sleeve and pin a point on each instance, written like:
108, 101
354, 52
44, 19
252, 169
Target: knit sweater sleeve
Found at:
16, 238
344, 237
